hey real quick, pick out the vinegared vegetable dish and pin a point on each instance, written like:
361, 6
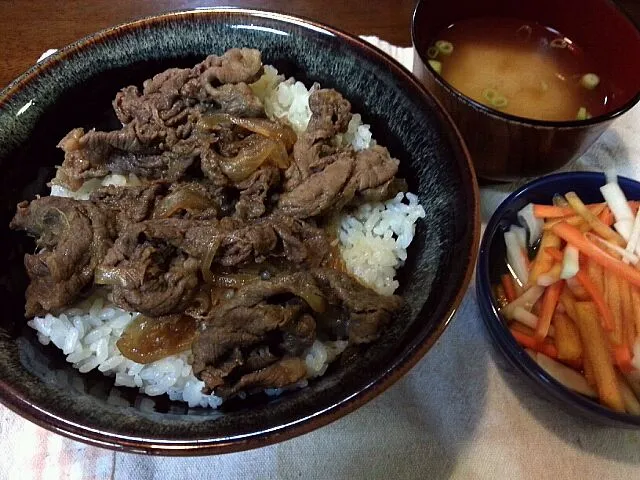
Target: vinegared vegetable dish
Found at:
571, 296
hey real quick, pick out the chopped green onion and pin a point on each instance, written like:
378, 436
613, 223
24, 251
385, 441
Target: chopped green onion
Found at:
559, 43
489, 94
436, 65
494, 98
444, 47
432, 52
590, 81
582, 114
500, 102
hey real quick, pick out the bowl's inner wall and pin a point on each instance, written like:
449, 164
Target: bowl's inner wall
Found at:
77, 91
598, 26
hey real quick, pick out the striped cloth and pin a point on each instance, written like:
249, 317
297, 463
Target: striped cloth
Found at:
460, 413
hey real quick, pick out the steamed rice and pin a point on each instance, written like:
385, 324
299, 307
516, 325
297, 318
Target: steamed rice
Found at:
373, 242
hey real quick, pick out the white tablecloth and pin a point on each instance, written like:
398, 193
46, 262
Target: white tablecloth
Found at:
460, 413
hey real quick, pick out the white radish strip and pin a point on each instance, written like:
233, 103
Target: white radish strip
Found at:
632, 245
613, 247
565, 375
533, 224
570, 262
515, 258
521, 235
611, 175
526, 301
617, 202
525, 317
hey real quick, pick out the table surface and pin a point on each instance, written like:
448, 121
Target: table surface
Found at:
29, 27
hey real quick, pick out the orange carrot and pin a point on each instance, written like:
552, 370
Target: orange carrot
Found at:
588, 371
529, 342
623, 358
595, 346
549, 302
509, 288
551, 211
635, 301
606, 316
574, 237
543, 262
594, 271
612, 298
628, 324
600, 228
606, 217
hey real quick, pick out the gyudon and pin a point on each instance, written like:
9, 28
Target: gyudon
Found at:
235, 235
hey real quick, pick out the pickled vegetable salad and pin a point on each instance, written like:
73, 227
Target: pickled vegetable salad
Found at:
574, 304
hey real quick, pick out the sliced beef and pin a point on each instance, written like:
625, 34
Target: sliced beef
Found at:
283, 373
73, 237
313, 150
368, 312
128, 204
254, 192
159, 138
146, 270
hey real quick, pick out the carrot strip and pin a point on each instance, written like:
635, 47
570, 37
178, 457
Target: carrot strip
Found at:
596, 349
577, 290
549, 302
635, 302
628, 326
594, 293
600, 228
509, 289
543, 262
529, 342
575, 220
588, 371
567, 338
594, 271
623, 358
606, 217
552, 211
612, 298
574, 237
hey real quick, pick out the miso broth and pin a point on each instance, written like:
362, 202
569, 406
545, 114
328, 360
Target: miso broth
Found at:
521, 68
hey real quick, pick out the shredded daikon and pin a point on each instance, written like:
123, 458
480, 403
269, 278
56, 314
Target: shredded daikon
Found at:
525, 317
613, 247
526, 301
570, 262
533, 224
617, 202
632, 245
565, 375
515, 256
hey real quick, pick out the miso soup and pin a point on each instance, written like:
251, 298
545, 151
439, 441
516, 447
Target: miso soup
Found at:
521, 68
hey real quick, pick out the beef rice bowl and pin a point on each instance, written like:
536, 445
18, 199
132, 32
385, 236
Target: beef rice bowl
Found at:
236, 235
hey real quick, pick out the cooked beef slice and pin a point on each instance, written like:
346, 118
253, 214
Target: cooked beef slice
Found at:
159, 138
323, 177
254, 192
148, 273
128, 204
368, 312
72, 237
283, 373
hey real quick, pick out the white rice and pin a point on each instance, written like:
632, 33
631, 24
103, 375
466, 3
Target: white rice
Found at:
373, 241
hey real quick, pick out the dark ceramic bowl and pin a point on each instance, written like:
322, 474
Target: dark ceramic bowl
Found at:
75, 88
506, 147
491, 265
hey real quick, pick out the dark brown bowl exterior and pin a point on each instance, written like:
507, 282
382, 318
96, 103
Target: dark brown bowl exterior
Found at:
75, 88
505, 147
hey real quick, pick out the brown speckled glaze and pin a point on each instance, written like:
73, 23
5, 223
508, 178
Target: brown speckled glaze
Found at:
75, 88
505, 147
